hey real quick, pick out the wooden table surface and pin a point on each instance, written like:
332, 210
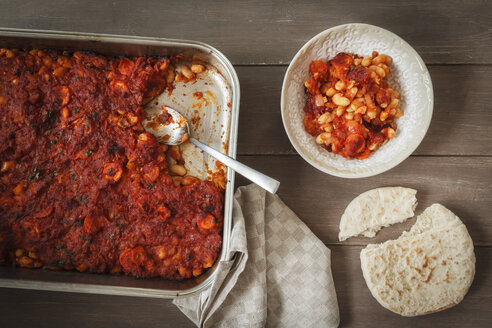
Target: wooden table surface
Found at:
452, 166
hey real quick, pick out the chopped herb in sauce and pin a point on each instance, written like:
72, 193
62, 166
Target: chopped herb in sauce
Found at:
89, 152
88, 240
102, 69
36, 174
83, 199
63, 250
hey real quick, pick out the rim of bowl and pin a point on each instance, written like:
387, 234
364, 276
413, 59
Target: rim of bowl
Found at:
329, 170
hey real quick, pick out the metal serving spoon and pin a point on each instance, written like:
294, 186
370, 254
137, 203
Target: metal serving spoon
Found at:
172, 129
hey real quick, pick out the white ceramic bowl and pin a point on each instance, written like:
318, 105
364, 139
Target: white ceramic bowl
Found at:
409, 75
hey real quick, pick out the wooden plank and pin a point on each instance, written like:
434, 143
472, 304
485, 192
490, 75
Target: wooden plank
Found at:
359, 309
460, 183
271, 32
31, 308
357, 306
460, 124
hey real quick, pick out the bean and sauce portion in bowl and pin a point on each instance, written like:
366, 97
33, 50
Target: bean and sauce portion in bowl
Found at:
351, 108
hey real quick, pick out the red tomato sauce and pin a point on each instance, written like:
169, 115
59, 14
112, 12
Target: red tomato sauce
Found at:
350, 107
82, 185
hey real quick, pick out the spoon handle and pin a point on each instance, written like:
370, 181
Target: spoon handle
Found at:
267, 183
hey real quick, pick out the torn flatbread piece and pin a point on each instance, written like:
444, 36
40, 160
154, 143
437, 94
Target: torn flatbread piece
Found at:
377, 208
426, 270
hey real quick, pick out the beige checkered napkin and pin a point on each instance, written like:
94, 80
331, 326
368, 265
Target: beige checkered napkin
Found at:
280, 275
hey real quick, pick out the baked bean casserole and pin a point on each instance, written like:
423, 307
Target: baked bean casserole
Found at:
82, 185
351, 108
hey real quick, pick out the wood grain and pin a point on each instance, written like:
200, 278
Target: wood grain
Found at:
357, 306
271, 32
461, 111
30, 308
460, 183
359, 309
452, 166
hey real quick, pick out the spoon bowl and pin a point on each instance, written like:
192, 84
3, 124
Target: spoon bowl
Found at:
167, 125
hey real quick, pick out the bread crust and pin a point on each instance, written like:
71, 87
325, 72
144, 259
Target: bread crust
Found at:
426, 270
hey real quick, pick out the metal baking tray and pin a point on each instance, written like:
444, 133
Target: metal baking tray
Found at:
213, 118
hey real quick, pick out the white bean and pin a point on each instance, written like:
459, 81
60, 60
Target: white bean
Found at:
178, 169
340, 100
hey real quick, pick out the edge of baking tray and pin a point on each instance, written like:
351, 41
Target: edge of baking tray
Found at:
229, 193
